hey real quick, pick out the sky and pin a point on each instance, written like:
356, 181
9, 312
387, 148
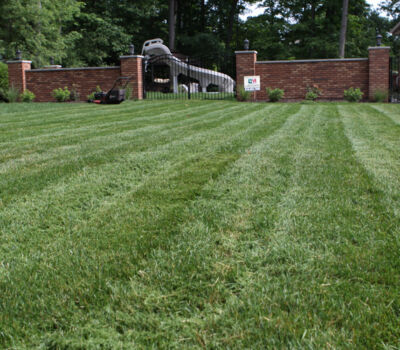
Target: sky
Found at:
254, 11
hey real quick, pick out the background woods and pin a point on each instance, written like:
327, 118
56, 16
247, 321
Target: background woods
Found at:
97, 32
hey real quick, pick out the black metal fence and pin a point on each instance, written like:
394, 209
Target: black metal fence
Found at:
174, 77
394, 80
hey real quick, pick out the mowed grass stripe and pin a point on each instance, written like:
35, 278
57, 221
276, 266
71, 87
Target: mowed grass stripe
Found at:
30, 113
390, 110
49, 127
187, 165
35, 178
91, 136
375, 137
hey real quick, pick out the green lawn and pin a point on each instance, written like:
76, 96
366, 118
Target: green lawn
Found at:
199, 225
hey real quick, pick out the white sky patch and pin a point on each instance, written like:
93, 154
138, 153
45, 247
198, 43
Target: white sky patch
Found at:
255, 11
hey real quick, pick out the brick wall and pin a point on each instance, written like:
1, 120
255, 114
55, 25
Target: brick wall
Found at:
43, 81
332, 76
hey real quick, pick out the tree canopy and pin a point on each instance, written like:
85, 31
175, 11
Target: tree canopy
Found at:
90, 32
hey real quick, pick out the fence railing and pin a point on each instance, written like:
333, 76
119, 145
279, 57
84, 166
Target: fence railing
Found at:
394, 80
170, 77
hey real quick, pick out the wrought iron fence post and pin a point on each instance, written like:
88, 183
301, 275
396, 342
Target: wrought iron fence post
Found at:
144, 70
188, 75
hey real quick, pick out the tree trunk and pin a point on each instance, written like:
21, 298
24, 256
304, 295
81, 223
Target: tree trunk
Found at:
343, 28
203, 15
231, 19
172, 24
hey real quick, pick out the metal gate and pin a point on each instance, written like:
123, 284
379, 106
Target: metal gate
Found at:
174, 77
394, 80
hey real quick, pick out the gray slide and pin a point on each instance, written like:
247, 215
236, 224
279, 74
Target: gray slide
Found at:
156, 47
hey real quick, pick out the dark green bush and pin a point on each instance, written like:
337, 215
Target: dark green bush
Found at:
380, 95
3, 76
27, 96
275, 95
243, 95
91, 96
313, 92
353, 95
61, 95
10, 95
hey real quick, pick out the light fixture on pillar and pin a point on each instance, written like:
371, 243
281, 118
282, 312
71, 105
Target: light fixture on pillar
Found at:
18, 55
131, 49
378, 40
246, 44
52, 61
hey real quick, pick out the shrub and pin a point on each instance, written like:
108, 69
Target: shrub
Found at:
10, 95
61, 95
128, 92
353, 95
313, 92
275, 95
74, 93
380, 95
243, 95
3, 76
91, 96
27, 96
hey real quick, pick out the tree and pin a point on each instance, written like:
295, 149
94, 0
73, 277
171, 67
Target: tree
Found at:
37, 28
343, 28
172, 23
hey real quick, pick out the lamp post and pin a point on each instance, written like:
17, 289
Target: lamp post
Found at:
18, 55
378, 40
246, 44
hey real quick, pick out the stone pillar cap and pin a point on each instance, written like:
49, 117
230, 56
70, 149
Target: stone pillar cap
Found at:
18, 61
379, 47
250, 51
131, 56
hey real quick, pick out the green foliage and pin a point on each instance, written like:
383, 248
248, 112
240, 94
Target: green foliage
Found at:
61, 95
38, 28
27, 96
275, 95
313, 92
10, 95
91, 32
75, 96
128, 92
243, 95
91, 96
380, 95
3, 76
353, 95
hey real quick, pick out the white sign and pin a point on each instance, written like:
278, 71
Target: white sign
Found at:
252, 83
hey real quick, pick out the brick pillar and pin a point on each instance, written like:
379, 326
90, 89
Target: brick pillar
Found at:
378, 70
131, 66
245, 65
16, 74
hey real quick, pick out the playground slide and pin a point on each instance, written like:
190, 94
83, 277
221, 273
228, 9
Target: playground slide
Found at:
156, 47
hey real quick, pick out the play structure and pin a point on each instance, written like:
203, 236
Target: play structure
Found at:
155, 48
